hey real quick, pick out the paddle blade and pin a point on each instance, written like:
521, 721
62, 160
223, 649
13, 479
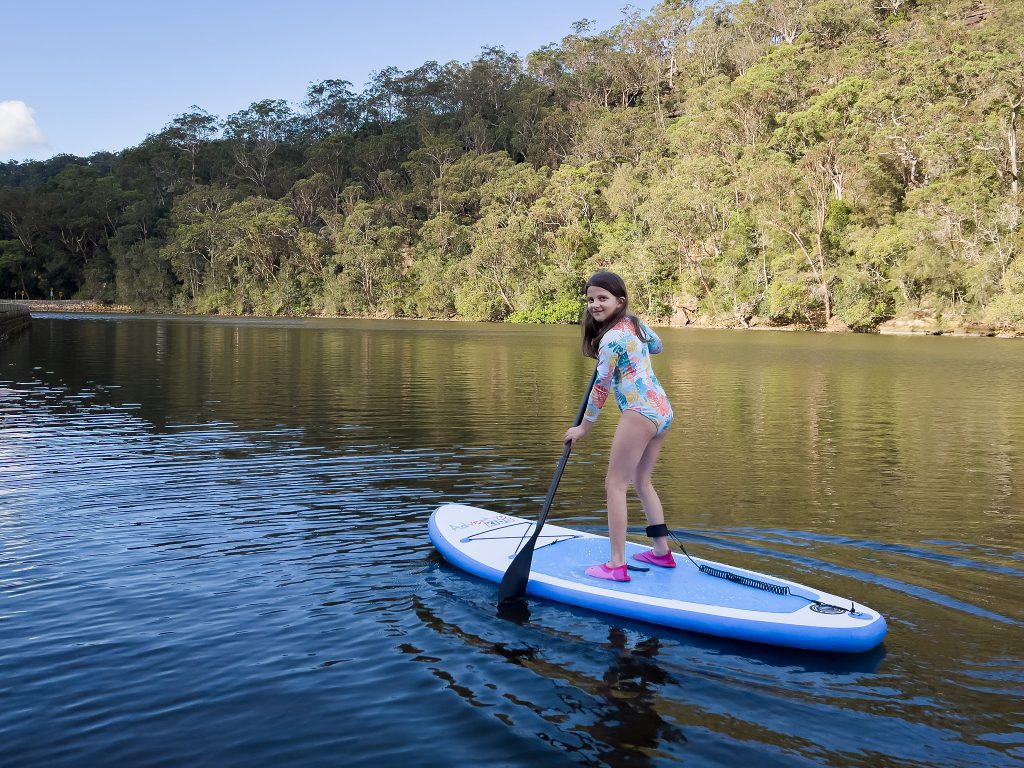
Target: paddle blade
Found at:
517, 575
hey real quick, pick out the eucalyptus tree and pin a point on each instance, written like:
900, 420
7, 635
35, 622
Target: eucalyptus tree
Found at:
580, 64
830, 24
193, 250
330, 108
487, 82
143, 277
617, 136
428, 166
382, 99
824, 142
84, 209
332, 161
501, 264
377, 156
155, 169
499, 274
259, 238
569, 212
782, 20
191, 132
997, 77
491, 91
21, 228
370, 254
442, 244
255, 134
20, 231
686, 216
15, 270
429, 96
310, 199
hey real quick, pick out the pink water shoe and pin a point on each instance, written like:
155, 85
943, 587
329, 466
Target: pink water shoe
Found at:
648, 556
602, 571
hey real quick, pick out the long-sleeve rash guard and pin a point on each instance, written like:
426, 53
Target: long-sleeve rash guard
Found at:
624, 365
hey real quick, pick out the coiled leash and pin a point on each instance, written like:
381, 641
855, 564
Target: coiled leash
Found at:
661, 529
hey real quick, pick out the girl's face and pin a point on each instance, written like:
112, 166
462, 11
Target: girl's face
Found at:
601, 304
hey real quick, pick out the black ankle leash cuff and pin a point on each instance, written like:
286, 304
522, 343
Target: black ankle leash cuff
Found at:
655, 531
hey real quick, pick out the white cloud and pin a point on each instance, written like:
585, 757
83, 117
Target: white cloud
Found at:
18, 129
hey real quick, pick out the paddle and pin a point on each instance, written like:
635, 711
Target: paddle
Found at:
513, 583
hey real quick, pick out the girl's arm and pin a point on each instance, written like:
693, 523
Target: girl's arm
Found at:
654, 345
607, 358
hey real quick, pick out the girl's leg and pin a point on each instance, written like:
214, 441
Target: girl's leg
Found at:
645, 490
632, 437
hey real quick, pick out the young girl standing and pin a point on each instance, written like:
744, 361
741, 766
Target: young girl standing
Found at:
623, 344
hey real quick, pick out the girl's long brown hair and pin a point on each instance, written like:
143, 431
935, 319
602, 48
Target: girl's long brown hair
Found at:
594, 331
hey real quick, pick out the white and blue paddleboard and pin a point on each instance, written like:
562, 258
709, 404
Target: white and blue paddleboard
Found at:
689, 596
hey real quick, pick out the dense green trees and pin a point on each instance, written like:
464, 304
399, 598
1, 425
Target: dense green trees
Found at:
779, 161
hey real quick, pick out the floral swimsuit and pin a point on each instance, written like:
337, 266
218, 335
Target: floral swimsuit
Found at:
624, 362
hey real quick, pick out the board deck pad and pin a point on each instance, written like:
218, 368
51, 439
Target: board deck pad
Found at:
484, 542
563, 560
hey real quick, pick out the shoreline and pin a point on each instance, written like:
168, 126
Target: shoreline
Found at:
895, 327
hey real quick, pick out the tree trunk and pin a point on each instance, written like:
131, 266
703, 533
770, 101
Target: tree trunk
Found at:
1011, 142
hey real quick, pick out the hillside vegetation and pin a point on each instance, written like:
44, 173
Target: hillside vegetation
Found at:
789, 161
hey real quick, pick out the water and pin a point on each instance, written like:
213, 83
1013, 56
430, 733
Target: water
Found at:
213, 547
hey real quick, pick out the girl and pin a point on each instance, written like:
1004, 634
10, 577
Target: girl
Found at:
623, 344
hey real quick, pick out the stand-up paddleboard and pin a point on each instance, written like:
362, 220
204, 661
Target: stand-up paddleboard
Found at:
697, 595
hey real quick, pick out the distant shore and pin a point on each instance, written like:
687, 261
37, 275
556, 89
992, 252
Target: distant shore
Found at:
73, 305
916, 326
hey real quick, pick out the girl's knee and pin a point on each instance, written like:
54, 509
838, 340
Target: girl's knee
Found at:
616, 483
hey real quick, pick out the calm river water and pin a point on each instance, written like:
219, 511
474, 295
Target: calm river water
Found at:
214, 552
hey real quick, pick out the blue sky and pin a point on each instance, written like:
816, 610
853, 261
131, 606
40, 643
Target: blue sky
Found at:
80, 77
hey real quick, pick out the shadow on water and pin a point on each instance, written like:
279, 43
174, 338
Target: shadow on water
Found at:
629, 693
621, 724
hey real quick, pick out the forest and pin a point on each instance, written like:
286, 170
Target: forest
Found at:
822, 163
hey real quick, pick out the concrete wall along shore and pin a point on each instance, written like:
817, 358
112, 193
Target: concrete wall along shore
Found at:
14, 318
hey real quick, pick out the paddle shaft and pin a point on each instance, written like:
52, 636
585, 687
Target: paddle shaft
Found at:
513, 583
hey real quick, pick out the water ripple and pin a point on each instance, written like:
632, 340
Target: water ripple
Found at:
213, 549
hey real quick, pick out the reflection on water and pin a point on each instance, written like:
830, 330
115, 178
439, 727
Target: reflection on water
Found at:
213, 547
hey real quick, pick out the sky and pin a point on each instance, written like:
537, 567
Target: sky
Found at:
82, 77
